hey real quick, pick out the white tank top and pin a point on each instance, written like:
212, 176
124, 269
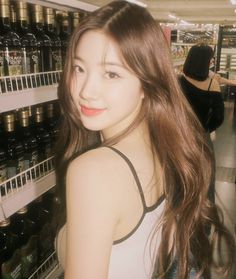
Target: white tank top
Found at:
133, 256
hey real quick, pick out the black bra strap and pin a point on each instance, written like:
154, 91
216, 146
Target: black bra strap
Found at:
209, 85
133, 172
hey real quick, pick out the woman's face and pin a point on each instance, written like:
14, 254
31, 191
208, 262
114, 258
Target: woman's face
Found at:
107, 94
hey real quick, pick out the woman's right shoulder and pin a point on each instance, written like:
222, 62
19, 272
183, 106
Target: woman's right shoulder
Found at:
93, 159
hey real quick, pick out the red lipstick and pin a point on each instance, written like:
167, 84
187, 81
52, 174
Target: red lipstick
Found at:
91, 111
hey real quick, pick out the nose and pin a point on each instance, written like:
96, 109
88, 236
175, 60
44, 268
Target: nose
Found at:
90, 88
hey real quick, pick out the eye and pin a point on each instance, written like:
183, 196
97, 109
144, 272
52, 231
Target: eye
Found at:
111, 75
78, 69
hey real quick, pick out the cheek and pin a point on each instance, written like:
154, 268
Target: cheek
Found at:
75, 88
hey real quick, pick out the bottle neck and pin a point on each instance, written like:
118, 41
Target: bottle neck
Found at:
49, 28
5, 24
22, 25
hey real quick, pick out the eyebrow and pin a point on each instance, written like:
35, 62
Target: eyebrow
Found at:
107, 63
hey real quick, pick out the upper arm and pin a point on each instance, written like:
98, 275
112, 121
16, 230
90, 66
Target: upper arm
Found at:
91, 219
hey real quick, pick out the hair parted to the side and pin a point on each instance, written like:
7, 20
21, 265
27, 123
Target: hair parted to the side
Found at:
176, 135
197, 62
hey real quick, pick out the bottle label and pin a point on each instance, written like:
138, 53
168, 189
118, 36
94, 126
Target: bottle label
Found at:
29, 257
34, 61
56, 57
14, 59
48, 150
12, 268
11, 171
25, 62
31, 159
1, 63
20, 165
3, 172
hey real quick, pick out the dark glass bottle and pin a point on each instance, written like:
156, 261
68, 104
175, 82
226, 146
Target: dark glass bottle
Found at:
75, 20
3, 168
10, 257
50, 30
64, 35
41, 216
53, 204
28, 42
13, 17
42, 135
3, 158
12, 64
29, 143
14, 149
52, 122
43, 41
2, 86
27, 242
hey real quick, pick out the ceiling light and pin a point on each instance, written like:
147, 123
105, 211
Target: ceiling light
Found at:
233, 2
172, 16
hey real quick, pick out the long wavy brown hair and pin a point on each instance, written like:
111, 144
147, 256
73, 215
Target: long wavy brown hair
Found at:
176, 137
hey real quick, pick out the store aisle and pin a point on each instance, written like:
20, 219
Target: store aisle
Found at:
225, 151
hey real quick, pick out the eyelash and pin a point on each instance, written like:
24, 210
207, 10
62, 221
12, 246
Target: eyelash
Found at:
78, 69
109, 74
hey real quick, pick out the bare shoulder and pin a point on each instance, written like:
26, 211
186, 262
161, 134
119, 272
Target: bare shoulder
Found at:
95, 170
96, 162
215, 86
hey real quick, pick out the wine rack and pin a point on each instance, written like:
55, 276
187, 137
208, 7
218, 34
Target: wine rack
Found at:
25, 187
50, 269
27, 90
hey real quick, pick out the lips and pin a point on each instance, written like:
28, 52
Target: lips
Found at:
91, 111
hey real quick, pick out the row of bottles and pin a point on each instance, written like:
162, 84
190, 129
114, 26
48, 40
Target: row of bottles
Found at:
32, 44
27, 137
27, 237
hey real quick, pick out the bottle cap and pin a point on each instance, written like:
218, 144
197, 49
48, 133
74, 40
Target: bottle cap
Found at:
22, 210
9, 118
4, 2
5, 222
38, 110
21, 4
24, 114
37, 8
48, 11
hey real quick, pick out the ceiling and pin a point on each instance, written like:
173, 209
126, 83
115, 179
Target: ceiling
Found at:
191, 11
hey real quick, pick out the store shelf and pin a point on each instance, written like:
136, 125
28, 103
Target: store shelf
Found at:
69, 5
27, 90
50, 269
25, 187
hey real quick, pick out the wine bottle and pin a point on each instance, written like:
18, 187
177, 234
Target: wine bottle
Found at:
14, 150
28, 40
64, 35
24, 229
11, 46
43, 138
29, 143
49, 28
41, 216
10, 257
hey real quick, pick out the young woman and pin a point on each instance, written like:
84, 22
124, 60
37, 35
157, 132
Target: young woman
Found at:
135, 157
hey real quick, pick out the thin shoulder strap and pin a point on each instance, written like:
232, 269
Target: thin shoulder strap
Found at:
209, 85
133, 172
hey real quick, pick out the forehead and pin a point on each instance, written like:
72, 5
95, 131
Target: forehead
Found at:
97, 46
